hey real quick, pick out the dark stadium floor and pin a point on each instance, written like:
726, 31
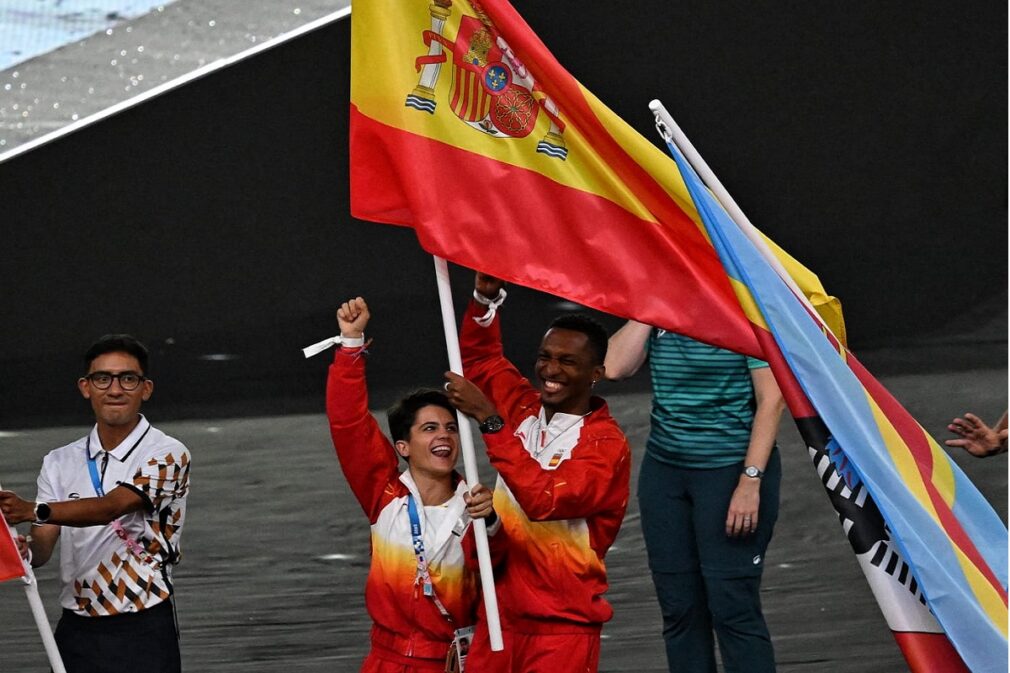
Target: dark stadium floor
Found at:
276, 549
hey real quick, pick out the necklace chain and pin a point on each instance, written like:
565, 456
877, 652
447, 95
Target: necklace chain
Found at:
541, 433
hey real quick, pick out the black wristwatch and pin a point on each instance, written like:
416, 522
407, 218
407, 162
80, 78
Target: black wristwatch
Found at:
42, 512
491, 425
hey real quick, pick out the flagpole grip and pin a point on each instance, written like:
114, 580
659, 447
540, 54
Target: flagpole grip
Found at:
469, 456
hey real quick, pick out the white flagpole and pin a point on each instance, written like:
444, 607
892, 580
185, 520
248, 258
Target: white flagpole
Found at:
678, 137
41, 620
469, 456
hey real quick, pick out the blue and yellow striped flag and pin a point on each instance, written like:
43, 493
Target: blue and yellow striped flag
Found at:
941, 540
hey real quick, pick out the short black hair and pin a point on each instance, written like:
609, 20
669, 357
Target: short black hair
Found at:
594, 331
402, 414
117, 343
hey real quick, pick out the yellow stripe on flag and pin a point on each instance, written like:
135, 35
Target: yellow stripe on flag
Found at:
748, 304
902, 459
943, 475
988, 598
827, 306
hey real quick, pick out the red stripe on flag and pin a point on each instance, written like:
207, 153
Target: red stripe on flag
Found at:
459, 76
471, 96
915, 439
796, 400
531, 230
485, 105
466, 106
929, 652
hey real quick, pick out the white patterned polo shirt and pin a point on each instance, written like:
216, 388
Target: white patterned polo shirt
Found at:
99, 573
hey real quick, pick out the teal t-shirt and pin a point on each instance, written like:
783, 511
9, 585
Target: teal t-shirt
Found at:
702, 402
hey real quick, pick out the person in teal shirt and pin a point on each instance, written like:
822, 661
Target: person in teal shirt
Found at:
708, 491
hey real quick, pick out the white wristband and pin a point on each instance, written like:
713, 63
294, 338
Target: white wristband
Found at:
492, 306
352, 342
499, 298
349, 342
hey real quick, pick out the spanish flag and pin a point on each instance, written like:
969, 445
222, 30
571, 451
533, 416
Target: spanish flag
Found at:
465, 128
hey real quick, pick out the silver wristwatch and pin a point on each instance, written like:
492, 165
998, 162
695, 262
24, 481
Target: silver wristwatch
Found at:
753, 472
42, 512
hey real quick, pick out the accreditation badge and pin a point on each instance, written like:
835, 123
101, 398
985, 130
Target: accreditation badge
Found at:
455, 662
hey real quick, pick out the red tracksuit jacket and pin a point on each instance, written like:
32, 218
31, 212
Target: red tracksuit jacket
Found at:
404, 620
559, 518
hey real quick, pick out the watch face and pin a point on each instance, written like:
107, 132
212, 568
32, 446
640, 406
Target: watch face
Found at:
492, 424
42, 511
752, 471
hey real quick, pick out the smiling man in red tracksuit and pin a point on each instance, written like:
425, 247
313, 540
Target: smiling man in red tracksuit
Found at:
564, 469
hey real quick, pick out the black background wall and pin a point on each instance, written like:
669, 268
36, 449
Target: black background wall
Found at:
868, 139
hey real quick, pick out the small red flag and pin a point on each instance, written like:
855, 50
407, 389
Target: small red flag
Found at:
10, 560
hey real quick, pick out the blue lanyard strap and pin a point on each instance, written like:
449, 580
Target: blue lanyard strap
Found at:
422, 576
96, 480
415, 525
415, 534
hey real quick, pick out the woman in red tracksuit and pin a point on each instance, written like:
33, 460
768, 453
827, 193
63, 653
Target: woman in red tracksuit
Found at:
420, 589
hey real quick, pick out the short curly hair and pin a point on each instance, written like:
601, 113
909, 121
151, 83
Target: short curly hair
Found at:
401, 415
594, 331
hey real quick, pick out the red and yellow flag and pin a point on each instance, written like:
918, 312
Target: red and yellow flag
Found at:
465, 128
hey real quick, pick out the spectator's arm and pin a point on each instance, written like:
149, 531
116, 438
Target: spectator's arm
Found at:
626, 350
742, 516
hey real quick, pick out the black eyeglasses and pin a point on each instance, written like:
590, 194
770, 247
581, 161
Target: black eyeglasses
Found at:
127, 380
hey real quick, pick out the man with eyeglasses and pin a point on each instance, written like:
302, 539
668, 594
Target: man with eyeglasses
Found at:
116, 501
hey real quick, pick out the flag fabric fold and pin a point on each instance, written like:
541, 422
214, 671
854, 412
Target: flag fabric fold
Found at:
466, 128
954, 543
